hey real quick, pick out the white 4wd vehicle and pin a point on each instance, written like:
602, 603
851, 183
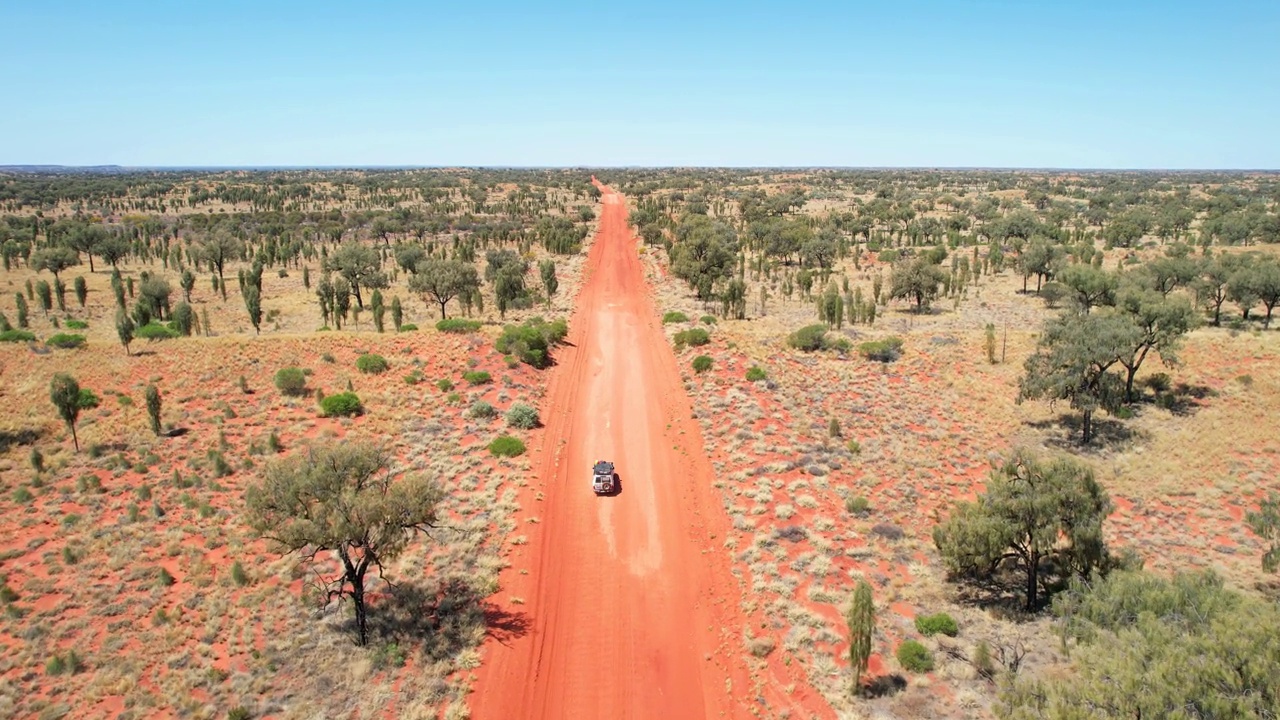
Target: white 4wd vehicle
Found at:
602, 478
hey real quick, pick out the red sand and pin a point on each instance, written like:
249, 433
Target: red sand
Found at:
631, 608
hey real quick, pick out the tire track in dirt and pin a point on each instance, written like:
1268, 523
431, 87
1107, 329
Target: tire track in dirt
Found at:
630, 607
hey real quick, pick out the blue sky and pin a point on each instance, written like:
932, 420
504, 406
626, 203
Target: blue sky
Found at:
990, 83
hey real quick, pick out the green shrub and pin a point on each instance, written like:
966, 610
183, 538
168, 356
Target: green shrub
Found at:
164, 579
291, 381
89, 483
389, 655
65, 341
522, 416
857, 505
239, 712
506, 446
55, 666
455, 325
155, 331
692, 337
933, 624
808, 338
532, 341
477, 377
221, 468
915, 657
453, 398
886, 350
674, 317
372, 364
413, 378
445, 384
701, 364
87, 400
14, 336
238, 575
756, 373
837, 343
481, 410
407, 327
341, 404
328, 357
77, 325
1159, 382
855, 447
22, 496
708, 319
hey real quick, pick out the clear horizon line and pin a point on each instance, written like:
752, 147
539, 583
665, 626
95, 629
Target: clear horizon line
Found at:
36, 167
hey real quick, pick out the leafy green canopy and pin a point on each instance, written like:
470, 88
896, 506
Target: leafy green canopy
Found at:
1147, 647
342, 498
1034, 510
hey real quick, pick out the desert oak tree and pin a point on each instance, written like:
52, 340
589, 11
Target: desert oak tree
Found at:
1034, 510
342, 498
860, 617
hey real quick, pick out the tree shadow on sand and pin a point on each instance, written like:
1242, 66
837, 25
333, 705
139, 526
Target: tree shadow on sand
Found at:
1109, 433
883, 686
24, 436
440, 618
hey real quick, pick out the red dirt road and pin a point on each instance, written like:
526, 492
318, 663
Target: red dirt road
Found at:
631, 609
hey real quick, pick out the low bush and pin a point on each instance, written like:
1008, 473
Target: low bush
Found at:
674, 317
701, 364
857, 505
481, 410
837, 343
522, 416
65, 341
408, 327
445, 384
708, 319
453, 325
532, 341
341, 404
506, 446
17, 336
692, 337
87, 400
238, 575
154, 331
761, 647
371, 364
756, 373
1159, 382
291, 381
914, 657
933, 624
477, 377
886, 350
77, 325
388, 656
808, 338
413, 378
